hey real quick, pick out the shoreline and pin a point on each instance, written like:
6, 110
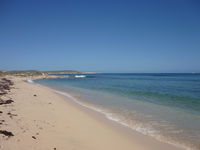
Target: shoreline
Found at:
115, 123
112, 122
84, 129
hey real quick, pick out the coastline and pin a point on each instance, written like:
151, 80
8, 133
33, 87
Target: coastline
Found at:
58, 123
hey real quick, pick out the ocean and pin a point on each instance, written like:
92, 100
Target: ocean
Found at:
165, 106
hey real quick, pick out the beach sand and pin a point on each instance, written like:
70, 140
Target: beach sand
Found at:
43, 120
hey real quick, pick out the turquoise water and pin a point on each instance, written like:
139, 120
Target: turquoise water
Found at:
164, 106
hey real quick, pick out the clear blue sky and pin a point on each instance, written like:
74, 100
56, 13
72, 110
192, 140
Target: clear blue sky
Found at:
100, 35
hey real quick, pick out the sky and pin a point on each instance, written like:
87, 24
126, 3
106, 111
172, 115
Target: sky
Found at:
100, 35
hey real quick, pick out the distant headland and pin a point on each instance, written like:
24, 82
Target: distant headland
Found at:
26, 73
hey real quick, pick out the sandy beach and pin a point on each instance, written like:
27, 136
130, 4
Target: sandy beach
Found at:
100, 75
40, 119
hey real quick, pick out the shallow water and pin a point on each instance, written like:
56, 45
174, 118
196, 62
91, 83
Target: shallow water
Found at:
164, 106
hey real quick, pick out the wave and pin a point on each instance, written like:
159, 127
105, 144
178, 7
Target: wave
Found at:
30, 81
74, 76
80, 76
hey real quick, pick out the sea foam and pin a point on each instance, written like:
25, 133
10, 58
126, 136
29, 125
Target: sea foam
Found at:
30, 81
79, 76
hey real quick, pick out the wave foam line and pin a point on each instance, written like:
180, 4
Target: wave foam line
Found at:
79, 76
30, 81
